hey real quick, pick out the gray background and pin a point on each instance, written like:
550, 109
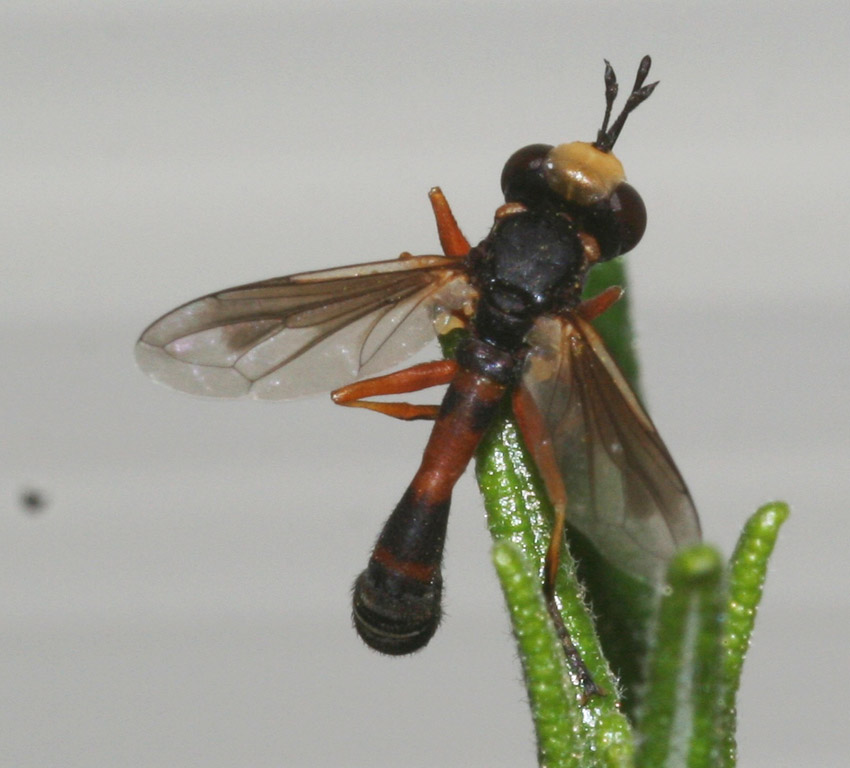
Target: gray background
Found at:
183, 600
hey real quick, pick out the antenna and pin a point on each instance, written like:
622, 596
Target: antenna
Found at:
607, 137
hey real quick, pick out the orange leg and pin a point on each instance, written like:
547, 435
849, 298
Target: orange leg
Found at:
417, 377
451, 238
539, 443
596, 305
408, 380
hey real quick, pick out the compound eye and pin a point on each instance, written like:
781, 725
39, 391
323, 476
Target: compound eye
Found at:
523, 179
630, 213
619, 222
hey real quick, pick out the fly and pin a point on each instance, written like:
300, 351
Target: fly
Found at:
529, 338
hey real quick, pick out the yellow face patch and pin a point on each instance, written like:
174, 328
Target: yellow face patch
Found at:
581, 173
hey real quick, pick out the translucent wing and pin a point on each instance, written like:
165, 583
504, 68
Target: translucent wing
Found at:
302, 334
623, 489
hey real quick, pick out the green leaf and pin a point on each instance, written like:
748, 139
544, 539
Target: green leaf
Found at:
678, 715
555, 708
518, 511
747, 571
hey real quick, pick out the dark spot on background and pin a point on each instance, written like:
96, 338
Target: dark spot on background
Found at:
32, 501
